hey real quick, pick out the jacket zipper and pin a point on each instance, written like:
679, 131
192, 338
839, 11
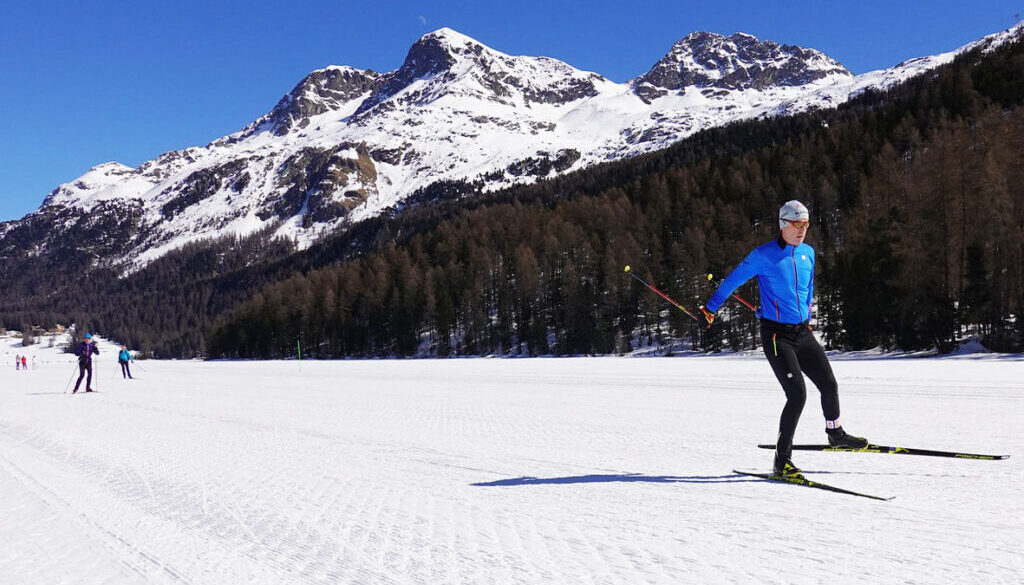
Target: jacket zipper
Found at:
796, 284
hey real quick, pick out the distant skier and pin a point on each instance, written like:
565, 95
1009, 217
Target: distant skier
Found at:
24, 363
17, 362
785, 274
123, 357
85, 350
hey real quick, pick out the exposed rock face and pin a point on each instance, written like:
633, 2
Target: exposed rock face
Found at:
427, 58
739, 61
325, 184
542, 164
205, 183
321, 91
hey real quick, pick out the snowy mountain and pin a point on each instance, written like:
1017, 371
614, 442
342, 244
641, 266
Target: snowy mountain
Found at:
346, 143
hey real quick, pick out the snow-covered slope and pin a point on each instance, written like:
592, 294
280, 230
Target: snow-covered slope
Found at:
555, 471
346, 143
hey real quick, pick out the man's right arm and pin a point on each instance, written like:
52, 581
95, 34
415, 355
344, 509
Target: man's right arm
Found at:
742, 273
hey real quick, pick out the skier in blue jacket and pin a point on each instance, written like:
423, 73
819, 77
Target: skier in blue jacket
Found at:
785, 275
123, 357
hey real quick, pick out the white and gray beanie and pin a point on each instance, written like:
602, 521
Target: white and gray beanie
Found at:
792, 210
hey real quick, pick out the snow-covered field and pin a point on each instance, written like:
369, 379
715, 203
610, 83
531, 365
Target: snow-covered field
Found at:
589, 470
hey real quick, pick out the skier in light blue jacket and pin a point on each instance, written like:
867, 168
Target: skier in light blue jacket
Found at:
123, 357
785, 275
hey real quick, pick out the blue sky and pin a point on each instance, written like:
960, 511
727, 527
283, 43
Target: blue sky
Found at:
86, 82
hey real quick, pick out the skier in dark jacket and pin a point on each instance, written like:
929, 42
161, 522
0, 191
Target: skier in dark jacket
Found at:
123, 357
85, 350
785, 274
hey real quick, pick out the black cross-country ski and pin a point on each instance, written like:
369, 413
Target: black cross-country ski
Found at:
892, 450
801, 480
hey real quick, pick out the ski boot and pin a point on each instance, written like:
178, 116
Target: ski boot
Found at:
837, 437
783, 467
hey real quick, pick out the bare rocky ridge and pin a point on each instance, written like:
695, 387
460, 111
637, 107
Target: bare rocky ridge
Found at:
321, 91
736, 62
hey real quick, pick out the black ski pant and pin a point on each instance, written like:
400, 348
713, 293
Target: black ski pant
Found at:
125, 372
83, 368
793, 351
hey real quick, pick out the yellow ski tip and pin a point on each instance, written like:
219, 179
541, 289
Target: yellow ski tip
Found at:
710, 276
627, 268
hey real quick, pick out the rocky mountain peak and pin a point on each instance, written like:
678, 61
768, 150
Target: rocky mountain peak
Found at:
446, 59
98, 177
739, 61
439, 51
433, 54
321, 91
452, 40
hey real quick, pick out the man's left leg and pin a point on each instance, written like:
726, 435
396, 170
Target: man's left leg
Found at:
814, 363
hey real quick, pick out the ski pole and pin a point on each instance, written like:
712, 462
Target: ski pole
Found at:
739, 298
69, 381
663, 295
748, 304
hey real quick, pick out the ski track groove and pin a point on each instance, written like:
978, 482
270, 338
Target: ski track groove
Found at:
127, 554
231, 527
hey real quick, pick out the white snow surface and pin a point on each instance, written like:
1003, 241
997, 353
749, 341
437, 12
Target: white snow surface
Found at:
581, 470
479, 115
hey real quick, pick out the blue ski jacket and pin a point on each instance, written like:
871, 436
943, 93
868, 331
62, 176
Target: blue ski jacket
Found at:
124, 355
785, 275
